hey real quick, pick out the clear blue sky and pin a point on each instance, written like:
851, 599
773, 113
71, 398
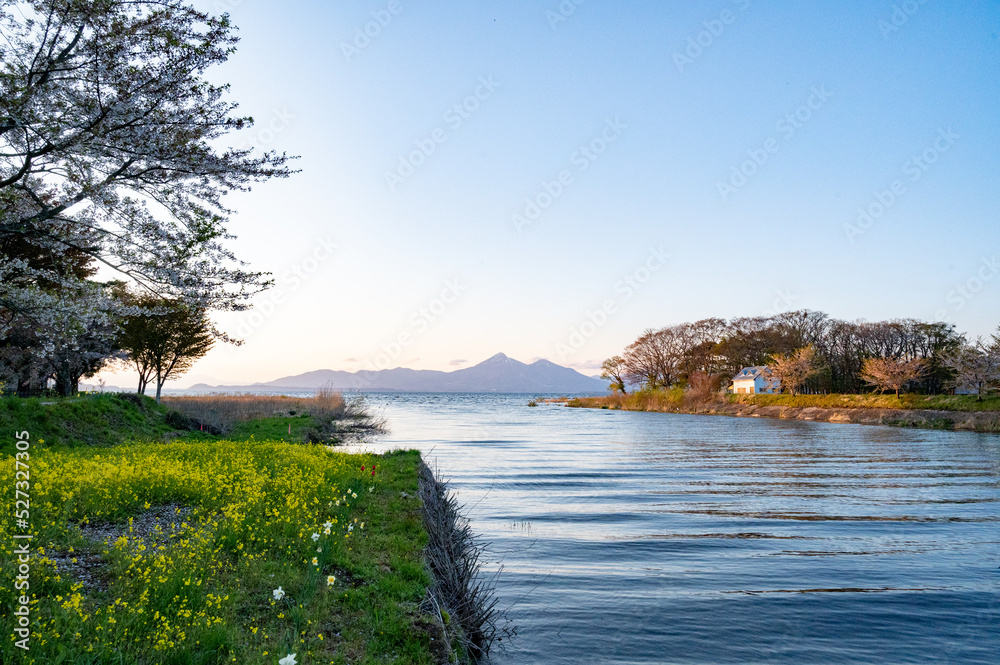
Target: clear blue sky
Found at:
827, 108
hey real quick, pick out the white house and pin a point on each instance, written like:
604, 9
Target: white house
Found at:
755, 380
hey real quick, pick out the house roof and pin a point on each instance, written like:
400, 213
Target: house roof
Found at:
751, 373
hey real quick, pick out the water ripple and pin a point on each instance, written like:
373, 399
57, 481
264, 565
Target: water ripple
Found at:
660, 538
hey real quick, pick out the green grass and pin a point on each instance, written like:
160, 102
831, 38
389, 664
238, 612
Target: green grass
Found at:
676, 399
871, 401
276, 428
87, 420
244, 514
110, 419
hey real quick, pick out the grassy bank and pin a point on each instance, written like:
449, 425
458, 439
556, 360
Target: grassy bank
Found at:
113, 418
172, 553
961, 412
965, 403
87, 420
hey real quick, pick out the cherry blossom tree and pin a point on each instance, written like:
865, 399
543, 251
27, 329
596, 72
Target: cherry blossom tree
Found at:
976, 365
793, 369
110, 156
892, 373
108, 124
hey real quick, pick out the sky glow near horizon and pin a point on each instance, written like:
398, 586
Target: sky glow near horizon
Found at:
548, 179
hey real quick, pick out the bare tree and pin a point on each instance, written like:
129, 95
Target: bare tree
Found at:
702, 384
643, 361
793, 369
976, 365
614, 369
892, 374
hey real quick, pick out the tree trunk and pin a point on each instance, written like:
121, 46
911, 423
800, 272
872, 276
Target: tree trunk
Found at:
65, 383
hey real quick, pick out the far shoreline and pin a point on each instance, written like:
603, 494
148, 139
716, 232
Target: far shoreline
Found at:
856, 409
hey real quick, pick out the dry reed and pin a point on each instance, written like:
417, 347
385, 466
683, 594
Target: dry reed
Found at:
220, 412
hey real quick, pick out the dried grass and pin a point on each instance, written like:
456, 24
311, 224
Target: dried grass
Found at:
220, 412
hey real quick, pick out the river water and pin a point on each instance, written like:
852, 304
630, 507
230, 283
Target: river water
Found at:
660, 538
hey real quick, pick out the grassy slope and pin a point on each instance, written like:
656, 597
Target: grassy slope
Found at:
86, 420
206, 596
108, 419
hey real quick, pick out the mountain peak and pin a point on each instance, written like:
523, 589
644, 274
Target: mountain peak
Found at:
499, 374
498, 359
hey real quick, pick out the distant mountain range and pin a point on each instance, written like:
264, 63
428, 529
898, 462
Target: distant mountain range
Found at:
498, 374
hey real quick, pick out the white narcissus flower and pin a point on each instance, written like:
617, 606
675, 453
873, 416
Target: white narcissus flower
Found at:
278, 594
315, 561
315, 537
288, 660
327, 524
330, 579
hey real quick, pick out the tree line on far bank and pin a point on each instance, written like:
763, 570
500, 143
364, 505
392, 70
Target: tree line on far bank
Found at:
808, 351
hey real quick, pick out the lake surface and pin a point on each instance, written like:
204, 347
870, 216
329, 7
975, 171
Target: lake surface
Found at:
662, 538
